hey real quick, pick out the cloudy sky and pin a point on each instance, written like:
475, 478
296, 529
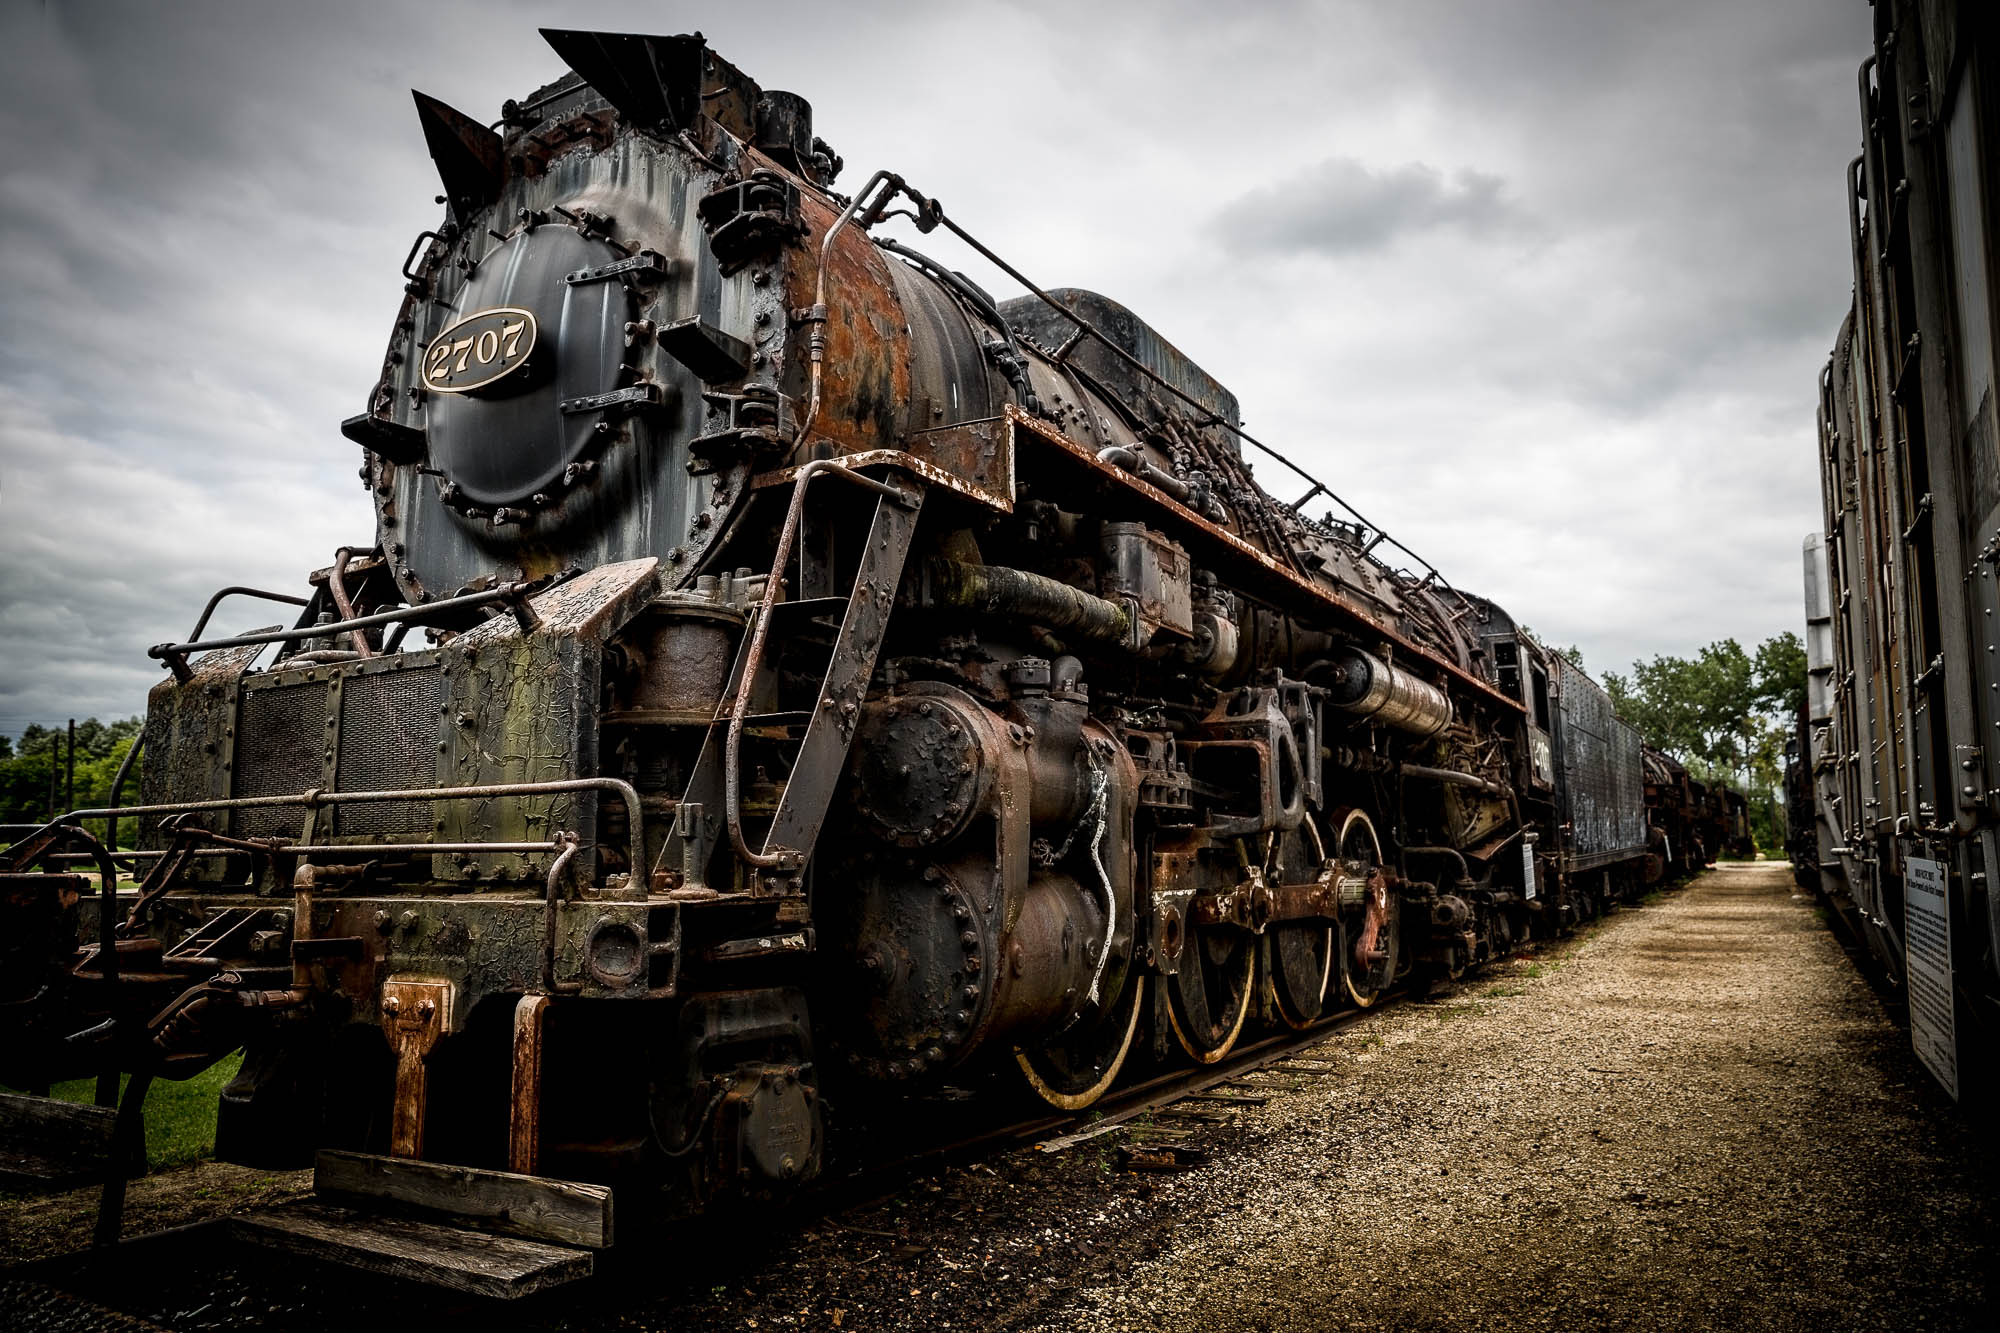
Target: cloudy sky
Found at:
1541, 287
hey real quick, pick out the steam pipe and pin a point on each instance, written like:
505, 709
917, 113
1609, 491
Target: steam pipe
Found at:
1452, 777
999, 590
816, 315
1452, 853
1129, 459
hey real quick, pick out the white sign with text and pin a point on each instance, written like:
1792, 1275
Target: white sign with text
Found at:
1927, 944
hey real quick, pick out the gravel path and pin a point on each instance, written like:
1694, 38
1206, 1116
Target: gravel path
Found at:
1697, 1117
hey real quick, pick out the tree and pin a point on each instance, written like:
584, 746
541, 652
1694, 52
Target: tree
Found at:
35, 768
1781, 674
1724, 713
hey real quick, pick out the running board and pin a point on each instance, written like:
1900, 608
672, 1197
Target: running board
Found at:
433, 1254
489, 1233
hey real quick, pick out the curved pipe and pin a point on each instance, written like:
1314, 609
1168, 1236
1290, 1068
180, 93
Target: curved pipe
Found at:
1128, 459
816, 316
561, 863
216, 601
1450, 853
336, 583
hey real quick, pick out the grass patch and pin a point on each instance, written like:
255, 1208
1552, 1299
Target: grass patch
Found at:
1501, 992
1532, 970
180, 1117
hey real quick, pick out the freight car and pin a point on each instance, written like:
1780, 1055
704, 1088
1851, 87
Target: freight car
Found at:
1902, 596
783, 677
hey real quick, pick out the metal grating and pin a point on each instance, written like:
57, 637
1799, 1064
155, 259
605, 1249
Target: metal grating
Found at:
388, 740
280, 742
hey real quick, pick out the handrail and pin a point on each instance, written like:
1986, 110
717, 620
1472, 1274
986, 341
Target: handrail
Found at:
175, 654
238, 591
316, 797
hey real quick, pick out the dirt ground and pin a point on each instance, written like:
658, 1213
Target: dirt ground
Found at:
35, 1226
1693, 1116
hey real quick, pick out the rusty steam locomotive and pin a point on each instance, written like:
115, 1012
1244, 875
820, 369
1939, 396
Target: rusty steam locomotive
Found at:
783, 673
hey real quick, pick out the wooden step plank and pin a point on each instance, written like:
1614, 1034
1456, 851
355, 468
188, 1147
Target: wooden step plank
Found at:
47, 1144
477, 1262
537, 1207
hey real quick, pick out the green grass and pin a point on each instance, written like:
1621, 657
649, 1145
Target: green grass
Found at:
180, 1117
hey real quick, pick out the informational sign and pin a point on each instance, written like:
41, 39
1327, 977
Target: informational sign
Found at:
1927, 939
1527, 869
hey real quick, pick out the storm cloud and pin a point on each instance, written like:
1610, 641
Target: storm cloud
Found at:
1343, 205
1543, 287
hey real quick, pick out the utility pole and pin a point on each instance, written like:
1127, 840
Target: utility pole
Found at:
69, 770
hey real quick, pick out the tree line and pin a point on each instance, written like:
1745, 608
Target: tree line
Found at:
1726, 714
34, 772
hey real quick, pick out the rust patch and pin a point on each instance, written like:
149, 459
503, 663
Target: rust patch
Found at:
866, 395
524, 1119
415, 1015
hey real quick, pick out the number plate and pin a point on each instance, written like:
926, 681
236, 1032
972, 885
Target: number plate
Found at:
479, 350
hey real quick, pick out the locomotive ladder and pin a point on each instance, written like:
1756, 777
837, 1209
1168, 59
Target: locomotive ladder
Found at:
712, 806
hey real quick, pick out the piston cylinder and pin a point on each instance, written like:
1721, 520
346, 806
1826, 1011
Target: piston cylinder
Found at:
1368, 687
